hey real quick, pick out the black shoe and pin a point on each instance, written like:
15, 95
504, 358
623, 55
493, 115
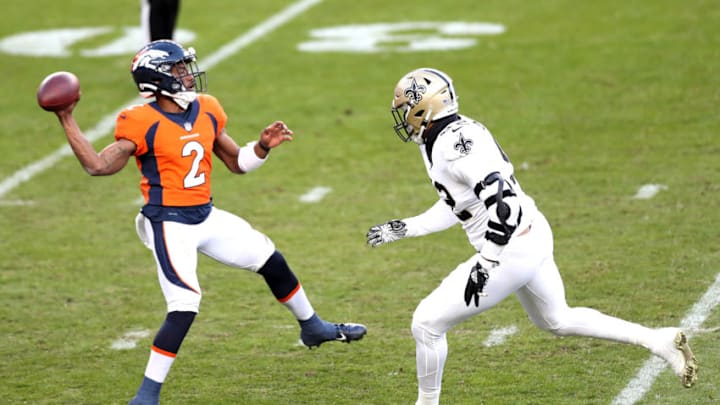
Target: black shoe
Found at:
344, 332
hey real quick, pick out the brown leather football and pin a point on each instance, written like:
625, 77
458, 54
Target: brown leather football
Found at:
58, 90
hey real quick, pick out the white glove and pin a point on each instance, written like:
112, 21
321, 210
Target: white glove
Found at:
386, 233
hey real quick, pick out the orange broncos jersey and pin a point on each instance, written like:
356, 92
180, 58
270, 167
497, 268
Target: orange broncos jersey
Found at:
174, 151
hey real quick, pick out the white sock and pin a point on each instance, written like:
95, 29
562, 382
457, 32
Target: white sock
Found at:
299, 305
425, 398
159, 365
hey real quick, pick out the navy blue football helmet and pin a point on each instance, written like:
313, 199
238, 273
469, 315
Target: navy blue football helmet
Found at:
162, 67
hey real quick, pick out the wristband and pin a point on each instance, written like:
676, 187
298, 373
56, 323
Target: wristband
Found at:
247, 159
263, 147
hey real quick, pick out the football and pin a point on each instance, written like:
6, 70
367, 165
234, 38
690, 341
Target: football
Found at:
58, 90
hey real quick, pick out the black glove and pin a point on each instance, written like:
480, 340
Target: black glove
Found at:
478, 279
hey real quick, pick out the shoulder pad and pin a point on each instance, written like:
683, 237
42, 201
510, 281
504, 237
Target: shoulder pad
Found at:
459, 139
132, 113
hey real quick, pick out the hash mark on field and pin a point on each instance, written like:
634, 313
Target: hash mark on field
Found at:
315, 194
640, 385
498, 336
648, 191
108, 122
129, 339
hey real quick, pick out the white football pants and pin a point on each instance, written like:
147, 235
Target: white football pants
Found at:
223, 236
527, 268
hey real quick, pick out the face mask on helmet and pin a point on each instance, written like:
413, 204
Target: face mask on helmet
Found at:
421, 97
164, 67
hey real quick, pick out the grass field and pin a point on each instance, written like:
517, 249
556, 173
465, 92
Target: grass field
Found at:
591, 100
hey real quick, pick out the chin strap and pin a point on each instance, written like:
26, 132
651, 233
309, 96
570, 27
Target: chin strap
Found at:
181, 98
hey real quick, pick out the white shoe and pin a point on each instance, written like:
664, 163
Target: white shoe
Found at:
676, 351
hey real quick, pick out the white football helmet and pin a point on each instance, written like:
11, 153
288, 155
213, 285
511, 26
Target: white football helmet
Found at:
422, 96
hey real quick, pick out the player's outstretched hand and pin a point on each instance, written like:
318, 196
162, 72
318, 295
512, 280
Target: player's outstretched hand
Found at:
386, 233
275, 134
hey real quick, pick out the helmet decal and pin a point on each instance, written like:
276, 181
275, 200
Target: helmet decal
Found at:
414, 92
144, 59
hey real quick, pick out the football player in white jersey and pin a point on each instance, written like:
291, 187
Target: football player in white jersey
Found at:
476, 187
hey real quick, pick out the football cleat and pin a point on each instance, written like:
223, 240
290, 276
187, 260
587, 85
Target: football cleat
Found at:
344, 332
676, 351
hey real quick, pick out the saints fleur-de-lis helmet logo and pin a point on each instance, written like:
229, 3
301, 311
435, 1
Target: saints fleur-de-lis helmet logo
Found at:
414, 92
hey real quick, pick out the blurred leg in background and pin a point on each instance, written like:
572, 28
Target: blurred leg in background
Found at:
158, 18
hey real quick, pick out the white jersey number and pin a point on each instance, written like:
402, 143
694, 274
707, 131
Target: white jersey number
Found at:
193, 178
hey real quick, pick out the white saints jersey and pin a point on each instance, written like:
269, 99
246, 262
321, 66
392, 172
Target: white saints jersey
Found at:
462, 157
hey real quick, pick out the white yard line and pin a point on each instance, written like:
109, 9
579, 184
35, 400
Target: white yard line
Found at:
16, 203
640, 385
106, 123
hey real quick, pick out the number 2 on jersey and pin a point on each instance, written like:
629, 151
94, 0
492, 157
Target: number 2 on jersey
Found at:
193, 178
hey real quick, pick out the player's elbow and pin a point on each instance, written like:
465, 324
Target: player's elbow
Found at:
99, 170
234, 167
94, 172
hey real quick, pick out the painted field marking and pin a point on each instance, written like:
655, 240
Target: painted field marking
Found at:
648, 191
315, 194
16, 203
498, 336
129, 339
640, 385
108, 122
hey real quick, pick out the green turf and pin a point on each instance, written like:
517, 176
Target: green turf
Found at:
591, 100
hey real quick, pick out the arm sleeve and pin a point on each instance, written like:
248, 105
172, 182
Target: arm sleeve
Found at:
437, 218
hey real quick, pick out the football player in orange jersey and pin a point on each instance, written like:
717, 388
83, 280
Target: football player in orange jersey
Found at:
172, 139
